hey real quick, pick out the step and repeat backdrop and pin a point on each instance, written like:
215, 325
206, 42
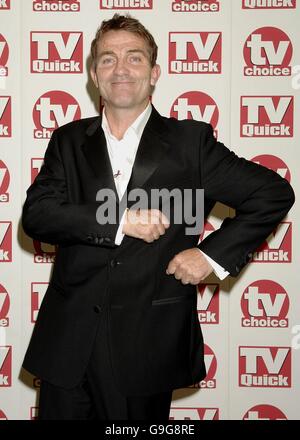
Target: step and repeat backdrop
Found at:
232, 63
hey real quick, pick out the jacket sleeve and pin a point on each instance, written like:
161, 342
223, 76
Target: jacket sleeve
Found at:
49, 217
260, 197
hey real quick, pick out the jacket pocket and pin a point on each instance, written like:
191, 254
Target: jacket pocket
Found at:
174, 299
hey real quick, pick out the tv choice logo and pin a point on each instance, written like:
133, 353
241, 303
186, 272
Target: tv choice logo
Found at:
56, 52
195, 52
5, 365
265, 304
4, 307
211, 368
44, 252
264, 412
4, 182
38, 291
195, 6
277, 248
2, 415
267, 116
4, 54
194, 414
269, 4
56, 5
5, 242
265, 367
208, 301
198, 106
4, 4
268, 52
53, 109
36, 165
273, 163
126, 4
5, 116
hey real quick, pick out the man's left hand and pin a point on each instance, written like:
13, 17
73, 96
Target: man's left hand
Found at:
189, 266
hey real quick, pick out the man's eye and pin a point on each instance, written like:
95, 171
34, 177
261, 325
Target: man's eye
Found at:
107, 61
135, 59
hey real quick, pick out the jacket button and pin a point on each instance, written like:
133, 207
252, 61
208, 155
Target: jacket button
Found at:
97, 309
114, 263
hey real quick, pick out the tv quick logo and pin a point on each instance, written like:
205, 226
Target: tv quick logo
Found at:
56, 52
126, 4
4, 4
5, 116
5, 242
56, 5
198, 106
4, 54
264, 412
36, 165
195, 6
2, 416
195, 52
208, 300
267, 116
211, 368
38, 291
194, 414
4, 307
265, 367
265, 304
5, 366
277, 248
273, 163
269, 4
268, 52
4, 183
44, 252
52, 110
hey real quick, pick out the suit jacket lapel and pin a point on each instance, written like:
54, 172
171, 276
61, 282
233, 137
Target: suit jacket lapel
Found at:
95, 151
152, 148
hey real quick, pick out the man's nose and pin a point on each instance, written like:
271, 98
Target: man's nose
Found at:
121, 67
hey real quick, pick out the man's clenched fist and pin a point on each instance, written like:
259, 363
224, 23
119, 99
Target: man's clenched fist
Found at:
146, 224
189, 266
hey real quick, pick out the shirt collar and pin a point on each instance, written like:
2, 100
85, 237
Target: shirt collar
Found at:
137, 126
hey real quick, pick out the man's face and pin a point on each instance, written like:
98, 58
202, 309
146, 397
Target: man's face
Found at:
123, 72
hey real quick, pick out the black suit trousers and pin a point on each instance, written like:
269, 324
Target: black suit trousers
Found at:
96, 397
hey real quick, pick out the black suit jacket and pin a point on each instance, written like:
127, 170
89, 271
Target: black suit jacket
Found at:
154, 335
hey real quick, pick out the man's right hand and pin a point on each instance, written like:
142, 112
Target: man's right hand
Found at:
145, 224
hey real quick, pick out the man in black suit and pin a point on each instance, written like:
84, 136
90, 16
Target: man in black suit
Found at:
118, 330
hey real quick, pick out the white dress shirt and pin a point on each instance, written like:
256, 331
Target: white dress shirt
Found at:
122, 155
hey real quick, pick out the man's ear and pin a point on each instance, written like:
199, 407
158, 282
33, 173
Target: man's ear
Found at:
94, 76
155, 74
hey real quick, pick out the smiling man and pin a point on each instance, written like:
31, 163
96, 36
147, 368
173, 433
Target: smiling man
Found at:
118, 329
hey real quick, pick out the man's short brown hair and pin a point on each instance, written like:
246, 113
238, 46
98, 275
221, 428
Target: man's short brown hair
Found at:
126, 23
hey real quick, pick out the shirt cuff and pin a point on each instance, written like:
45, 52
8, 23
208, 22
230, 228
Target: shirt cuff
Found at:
119, 234
218, 270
